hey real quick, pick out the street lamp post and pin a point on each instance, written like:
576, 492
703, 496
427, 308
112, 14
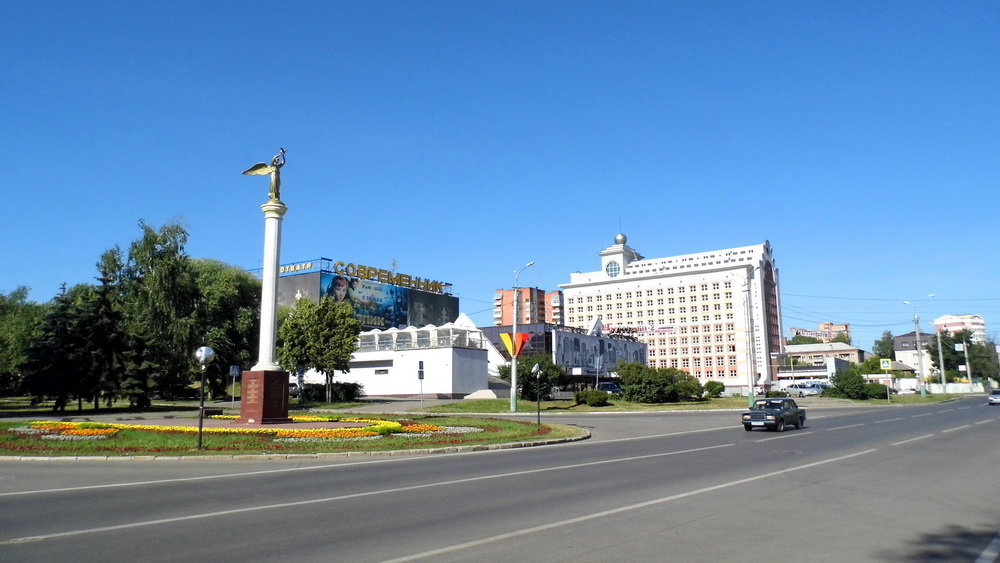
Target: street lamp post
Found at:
920, 351
514, 354
204, 355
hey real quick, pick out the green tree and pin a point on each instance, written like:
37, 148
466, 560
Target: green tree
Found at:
645, 384
321, 337
52, 368
228, 317
885, 347
550, 374
159, 298
842, 337
851, 383
803, 339
19, 318
714, 389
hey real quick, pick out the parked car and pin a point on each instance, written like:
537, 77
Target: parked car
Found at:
774, 414
804, 389
609, 387
994, 397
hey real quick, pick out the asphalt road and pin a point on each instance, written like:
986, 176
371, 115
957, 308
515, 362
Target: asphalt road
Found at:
871, 484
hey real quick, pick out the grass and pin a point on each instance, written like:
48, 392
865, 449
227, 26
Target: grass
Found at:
170, 442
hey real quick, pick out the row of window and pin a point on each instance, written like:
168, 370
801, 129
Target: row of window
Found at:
659, 291
658, 320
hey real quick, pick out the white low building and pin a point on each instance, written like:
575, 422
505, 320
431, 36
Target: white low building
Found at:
453, 358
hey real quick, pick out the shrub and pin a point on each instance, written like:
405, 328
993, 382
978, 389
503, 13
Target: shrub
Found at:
345, 392
876, 391
833, 393
591, 397
644, 384
688, 388
775, 394
714, 389
850, 383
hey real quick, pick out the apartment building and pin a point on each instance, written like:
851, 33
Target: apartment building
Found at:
957, 323
715, 315
535, 306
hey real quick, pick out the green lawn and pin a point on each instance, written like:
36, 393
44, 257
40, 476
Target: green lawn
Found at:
22, 439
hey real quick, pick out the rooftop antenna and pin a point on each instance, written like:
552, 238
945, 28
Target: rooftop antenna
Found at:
392, 266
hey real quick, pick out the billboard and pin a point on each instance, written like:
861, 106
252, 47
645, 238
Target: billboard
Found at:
383, 305
594, 353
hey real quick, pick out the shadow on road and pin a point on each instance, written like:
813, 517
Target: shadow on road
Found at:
954, 543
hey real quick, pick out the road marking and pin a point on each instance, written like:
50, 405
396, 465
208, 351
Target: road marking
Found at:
945, 410
785, 436
925, 414
991, 552
986, 421
613, 511
962, 408
912, 439
956, 428
848, 426
890, 420
598, 442
211, 477
350, 496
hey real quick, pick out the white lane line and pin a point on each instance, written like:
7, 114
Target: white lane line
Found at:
890, 420
991, 552
603, 513
962, 408
956, 428
348, 496
785, 436
848, 426
222, 476
986, 421
912, 440
945, 410
925, 414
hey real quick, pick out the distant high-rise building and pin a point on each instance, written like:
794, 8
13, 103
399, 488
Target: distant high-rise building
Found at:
957, 323
535, 306
825, 332
715, 315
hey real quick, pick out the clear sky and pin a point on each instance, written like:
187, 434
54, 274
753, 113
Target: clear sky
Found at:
463, 139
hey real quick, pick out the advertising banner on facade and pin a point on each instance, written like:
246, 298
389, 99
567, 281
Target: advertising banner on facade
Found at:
584, 351
383, 305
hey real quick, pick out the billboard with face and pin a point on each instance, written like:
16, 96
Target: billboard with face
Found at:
382, 305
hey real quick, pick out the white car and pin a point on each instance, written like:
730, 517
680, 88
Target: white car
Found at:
994, 397
804, 389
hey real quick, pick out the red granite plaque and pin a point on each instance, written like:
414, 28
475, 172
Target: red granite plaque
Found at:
264, 397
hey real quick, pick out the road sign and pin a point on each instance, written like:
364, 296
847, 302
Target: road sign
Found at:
885, 364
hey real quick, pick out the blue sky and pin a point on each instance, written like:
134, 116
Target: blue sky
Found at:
463, 139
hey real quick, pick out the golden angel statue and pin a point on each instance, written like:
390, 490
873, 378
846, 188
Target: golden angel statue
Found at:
274, 169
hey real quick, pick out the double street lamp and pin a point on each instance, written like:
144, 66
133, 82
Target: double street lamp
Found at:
514, 340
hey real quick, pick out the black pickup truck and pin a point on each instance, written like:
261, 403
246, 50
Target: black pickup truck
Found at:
774, 414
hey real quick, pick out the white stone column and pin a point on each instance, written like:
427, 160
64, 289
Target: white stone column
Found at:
274, 211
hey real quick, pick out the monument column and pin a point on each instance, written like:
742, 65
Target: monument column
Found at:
274, 211
264, 398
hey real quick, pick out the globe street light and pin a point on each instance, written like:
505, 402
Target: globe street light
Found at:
204, 355
514, 340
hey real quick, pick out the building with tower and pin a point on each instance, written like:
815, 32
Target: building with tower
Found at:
715, 315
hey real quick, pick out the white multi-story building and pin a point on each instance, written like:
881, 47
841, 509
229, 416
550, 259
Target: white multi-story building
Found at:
957, 323
715, 315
